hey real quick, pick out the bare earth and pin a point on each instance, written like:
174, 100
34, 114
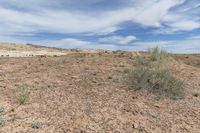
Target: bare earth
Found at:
88, 93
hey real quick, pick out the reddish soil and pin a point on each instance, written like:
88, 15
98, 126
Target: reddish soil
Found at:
193, 60
88, 93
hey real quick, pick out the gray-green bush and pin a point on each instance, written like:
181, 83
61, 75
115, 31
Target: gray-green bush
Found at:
150, 75
2, 120
141, 61
22, 93
157, 81
156, 54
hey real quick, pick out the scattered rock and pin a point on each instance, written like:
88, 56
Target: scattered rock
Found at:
94, 81
188, 128
196, 94
135, 126
3, 85
134, 97
74, 77
157, 105
153, 115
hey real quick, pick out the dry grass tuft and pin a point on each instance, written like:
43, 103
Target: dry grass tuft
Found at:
22, 93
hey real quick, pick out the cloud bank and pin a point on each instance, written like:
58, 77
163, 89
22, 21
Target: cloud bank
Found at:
100, 22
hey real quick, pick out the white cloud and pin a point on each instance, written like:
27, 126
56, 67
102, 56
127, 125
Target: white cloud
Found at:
154, 11
181, 23
186, 25
117, 39
27, 18
59, 21
105, 31
65, 43
195, 37
190, 45
182, 18
75, 43
43, 19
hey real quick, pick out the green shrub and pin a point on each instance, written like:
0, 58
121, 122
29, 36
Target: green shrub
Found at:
155, 80
22, 93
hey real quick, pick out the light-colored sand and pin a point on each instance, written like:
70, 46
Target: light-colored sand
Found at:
6, 53
20, 50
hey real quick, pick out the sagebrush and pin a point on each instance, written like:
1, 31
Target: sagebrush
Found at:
152, 75
156, 54
22, 93
157, 81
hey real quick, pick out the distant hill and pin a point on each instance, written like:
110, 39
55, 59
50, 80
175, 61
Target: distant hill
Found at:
28, 50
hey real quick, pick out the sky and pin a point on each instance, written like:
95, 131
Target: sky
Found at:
131, 25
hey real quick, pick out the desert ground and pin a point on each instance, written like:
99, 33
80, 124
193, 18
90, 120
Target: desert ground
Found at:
87, 92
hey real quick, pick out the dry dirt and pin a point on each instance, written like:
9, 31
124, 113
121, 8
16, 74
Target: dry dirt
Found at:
88, 93
193, 60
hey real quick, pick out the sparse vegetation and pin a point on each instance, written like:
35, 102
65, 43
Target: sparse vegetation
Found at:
141, 61
126, 70
81, 57
22, 93
64, 94
149, 75
2, 120
156, 54
158, 81
35, 125
1, 110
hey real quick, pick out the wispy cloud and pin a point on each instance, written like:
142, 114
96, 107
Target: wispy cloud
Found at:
118, 39
191, 45
196, 37
99, 19
40, 17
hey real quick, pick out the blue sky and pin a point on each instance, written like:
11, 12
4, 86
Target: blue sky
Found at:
133, 25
